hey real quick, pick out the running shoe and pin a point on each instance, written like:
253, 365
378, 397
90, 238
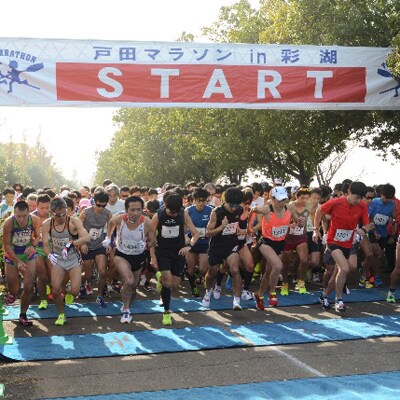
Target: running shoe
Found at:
69, 299
285, 290
339, 306
48, 290
82, 291
195, 292
89, 289
246, 295
346, 289
61, 320
377, 281
100, 301
236, 304
126, 317
273, 300
217, 292
365, 283
142, 280
159, 284
259, 302
24, 321
10, 299
167, 319
228, 283
206, 301
391, 297
316, 278
43, 305
324, 302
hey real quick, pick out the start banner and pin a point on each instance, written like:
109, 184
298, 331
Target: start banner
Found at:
80, 73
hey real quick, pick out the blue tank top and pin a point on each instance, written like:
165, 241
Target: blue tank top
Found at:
380, 214
200, 220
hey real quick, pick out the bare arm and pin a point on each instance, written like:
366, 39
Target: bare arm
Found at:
211, 229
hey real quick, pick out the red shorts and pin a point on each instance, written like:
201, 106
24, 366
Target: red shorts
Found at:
292, 246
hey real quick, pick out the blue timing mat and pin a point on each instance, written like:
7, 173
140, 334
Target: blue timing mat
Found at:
380, 386
198, 338
118, 344
324, 330
185, 305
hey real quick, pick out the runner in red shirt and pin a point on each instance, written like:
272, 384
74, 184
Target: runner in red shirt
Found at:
345, 213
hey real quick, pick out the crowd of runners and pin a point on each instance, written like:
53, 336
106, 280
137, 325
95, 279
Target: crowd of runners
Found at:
69, 245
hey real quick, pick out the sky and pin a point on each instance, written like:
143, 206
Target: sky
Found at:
74, 135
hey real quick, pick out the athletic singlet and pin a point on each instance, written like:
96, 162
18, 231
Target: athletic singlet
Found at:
298, 233
170, 234
131, 242
380, 214
276, 228
200, 220
94, 224
226, 240
58, 240
21, 238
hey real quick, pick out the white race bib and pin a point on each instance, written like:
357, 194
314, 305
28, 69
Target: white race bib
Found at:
21, 241
133, 247
59, 243
95, 233
343, 235
230, 229
202, 232
170, 232
279, 231
296, 230
381, 219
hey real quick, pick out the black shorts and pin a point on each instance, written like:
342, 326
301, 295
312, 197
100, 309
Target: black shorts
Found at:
345, 250
382, 241
277, 246
91, 255
170, 262
137, 262
312, 246
219, 258
199, 249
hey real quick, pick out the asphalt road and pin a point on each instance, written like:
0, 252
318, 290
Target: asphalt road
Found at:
45, 379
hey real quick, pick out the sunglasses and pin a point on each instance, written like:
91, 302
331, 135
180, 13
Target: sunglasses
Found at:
234, 205
369, 197
60, 215
101, 205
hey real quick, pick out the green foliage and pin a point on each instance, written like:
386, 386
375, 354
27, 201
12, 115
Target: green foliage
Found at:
28, 165
153, 146
393, 60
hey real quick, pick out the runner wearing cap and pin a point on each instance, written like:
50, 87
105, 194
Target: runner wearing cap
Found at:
275, 225
345, 213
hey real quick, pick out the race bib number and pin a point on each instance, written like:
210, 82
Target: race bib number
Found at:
21, 241
170, 232
296, 230
202, 232
59, 243
343, 235
279, 232
133, 247
230, 229
95, 233
381, 219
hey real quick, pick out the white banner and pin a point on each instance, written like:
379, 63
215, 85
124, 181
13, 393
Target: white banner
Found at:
46, 72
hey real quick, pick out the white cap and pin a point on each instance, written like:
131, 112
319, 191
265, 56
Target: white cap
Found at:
279, 193
64, 193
